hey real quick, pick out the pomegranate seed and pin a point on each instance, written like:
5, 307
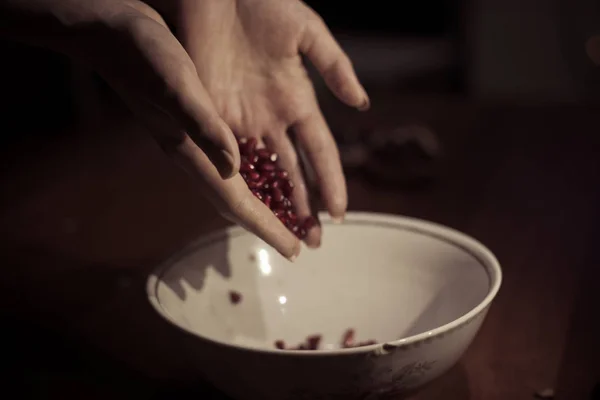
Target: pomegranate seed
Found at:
288, 187
267, 200
280, 344
265, 154
291, 216
313, 342
281, 174
266, 167
309, 223
247, 167
287, 203
348, 338
277, 194
276, 183
270, 175
279, 213
258, 194
261, 182
235, 297
301, 233
253, 176
248, 146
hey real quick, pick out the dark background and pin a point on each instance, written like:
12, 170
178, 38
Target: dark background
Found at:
88, 203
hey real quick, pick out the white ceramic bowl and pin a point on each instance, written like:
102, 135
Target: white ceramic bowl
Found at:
421, 290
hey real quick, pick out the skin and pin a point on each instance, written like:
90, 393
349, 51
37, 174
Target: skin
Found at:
592, 48
233, 66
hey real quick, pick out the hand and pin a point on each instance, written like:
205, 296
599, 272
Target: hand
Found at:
248, 55
129, 44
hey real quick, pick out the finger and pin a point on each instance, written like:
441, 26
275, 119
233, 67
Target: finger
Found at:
289, 160
320, 148
592, 48
319, 45
233, 199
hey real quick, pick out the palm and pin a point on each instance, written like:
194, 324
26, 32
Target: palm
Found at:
247, 54
255, 77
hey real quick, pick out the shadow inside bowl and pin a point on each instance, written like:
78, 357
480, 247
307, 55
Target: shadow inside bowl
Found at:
215, 258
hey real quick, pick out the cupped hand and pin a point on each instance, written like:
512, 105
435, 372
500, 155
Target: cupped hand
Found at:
248, 54
130, 45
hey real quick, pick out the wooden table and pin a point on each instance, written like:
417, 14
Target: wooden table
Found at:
84, 215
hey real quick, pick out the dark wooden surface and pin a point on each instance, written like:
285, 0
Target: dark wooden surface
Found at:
85, 214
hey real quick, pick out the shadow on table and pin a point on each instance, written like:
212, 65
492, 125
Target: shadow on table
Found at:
454, 381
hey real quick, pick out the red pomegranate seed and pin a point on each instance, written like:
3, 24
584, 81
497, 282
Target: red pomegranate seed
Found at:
270, 175
265, 154
248, 146
287, 203
234, 297
261, 182
309, 223
277, 194
276, 183
267, 200
253, 176
291, 216
287, 187
266, 167
281, 174
348, 338
258, 194
302, 233
279, 213
313, 342
280, 344
247, 167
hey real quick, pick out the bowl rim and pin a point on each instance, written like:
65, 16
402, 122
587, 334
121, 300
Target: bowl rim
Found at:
467, 243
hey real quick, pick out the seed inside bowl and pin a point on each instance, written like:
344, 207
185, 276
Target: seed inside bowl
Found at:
313, 342
272, 185
235, 297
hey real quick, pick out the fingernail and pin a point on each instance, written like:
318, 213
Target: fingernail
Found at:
229, 168
293, 258
223, 161
365, 105
337, 220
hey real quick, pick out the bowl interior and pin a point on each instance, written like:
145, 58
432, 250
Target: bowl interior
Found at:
385, 277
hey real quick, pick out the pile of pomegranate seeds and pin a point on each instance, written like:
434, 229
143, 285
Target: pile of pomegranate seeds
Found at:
312, 342
271, 185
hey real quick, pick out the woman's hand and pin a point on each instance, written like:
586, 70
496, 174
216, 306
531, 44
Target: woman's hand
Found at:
248, 55
129, 44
